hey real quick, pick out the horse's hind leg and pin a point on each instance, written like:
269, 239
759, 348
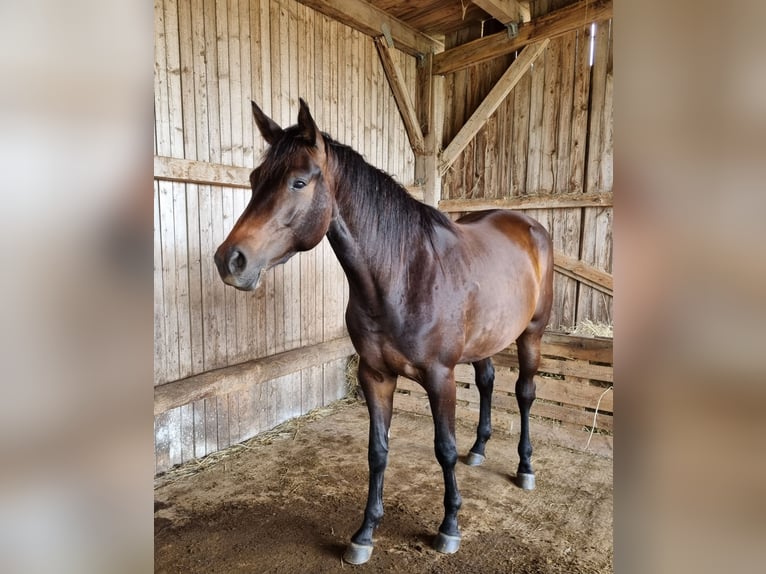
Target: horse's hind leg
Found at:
528, 345
485, 381
379, 394
441, 396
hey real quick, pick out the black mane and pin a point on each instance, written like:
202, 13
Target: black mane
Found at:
384, 212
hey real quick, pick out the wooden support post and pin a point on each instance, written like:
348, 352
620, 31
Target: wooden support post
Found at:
401, 96
495, 97
432, 192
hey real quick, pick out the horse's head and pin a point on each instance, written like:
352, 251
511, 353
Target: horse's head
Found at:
291, 206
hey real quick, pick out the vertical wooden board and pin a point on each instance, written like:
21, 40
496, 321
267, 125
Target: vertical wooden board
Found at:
606, 175
183, 308
222, 421
246, 17
521, 128
195, 278
580, 111
334, 373
534, 151
223, 77
200, 442
161, 99
265, 41
552, 102
161, 442
368, 100
172, 53
252, 412
357, 50
170, 308
160, 357
202, 147
567, 46
211, 72
187, 432
596, 117
211, 424
235, 411
507, 145
234, 58
187, 80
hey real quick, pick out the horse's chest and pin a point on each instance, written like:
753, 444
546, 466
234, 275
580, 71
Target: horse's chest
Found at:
386, 353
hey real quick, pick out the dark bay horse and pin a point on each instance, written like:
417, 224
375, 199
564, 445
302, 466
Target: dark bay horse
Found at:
425, 293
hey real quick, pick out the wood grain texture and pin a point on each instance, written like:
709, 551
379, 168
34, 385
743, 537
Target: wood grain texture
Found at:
550, 26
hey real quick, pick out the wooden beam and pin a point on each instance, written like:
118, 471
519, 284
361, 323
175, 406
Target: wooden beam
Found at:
190, 171
584, 273
401, 96
557, 23
238, 377
541, 201
432, 180
369, 20
503, 11
487, 107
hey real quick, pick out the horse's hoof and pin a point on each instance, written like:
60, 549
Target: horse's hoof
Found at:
474, 459
525, 481
357, 553
446, 544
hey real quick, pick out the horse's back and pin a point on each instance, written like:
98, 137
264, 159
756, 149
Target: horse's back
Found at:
528, 238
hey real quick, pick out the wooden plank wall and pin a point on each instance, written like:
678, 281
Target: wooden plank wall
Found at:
552, 134
211, 58
574, 393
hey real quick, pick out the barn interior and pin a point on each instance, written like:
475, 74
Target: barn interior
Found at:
469, 104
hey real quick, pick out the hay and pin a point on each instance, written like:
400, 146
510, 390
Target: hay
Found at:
588, 328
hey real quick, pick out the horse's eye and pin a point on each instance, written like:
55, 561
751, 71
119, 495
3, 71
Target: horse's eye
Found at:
298, 184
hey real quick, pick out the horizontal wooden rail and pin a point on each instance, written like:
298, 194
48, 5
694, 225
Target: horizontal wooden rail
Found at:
539, 201
238, 377
556, 23
202, 172
205, 173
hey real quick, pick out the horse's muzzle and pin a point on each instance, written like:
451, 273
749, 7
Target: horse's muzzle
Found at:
234, 270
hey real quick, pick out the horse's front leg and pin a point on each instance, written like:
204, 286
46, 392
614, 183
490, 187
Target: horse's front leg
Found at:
379, 394
441, 396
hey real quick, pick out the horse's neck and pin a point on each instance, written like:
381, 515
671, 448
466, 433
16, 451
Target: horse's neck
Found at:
362, 252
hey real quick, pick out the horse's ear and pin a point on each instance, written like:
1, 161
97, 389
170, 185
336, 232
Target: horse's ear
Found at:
308, 128
268, 127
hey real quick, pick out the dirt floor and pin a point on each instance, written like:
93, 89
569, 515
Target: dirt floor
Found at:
289, 502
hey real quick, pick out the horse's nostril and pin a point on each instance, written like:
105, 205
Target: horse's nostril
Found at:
237, 261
